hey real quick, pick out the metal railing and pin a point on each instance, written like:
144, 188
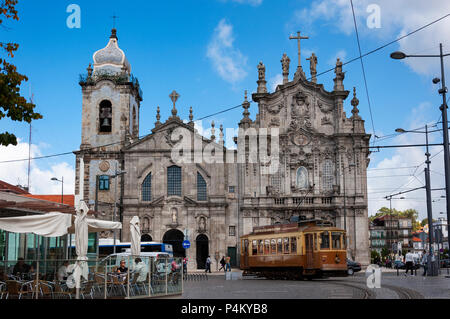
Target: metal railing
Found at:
145, 277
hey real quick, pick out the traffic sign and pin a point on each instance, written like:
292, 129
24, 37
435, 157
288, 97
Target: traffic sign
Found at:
186, 244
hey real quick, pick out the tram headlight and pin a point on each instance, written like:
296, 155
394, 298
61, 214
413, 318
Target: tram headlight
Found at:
337, 260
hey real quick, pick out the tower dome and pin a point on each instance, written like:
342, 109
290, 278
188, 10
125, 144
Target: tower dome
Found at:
111, 59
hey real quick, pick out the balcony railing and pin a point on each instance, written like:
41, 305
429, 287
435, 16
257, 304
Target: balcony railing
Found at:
117, 78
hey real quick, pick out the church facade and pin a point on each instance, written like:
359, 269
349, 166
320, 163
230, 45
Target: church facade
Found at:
321, 173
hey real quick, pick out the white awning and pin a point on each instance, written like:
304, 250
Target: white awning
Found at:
52, 224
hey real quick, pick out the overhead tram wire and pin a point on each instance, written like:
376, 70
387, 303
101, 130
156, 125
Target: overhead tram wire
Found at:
363, 71
319, 74
114, 143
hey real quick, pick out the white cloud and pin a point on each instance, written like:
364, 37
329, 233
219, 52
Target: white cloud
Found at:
341, 54
275, 81
228, 61
17, 172
383, 180
397, 19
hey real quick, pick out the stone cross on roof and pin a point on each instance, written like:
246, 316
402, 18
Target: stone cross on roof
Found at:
174, 97
298, 38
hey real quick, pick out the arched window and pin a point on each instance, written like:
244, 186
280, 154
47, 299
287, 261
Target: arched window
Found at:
302, 178
105, 116
201, 188
174, 181
328, 176
147, 189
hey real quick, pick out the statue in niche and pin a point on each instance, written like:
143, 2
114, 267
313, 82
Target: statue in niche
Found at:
302, 178
174, 216
202, 224
145, 224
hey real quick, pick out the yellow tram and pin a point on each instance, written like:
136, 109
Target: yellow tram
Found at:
305, 249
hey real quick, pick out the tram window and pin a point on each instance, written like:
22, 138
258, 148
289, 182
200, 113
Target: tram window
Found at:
246, 246
325, 240
273, 244
293, 245
316, 244
286, 245
344, 241
279, 246
261, 247
336, 240
267, 246
254, 248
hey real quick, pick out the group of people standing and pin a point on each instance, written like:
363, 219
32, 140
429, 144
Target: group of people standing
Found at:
411, 260
225, 263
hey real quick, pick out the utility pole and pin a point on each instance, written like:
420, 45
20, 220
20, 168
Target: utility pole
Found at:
443, 108
116, 174
429, 207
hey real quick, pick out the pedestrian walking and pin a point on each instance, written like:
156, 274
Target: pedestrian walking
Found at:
228, 263
425, 262
222, 264
208, 265
409, 262
185, 263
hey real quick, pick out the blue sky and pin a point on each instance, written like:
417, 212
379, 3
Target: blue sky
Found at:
171, 45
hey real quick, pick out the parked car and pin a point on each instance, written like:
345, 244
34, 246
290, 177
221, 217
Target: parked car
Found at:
352, 267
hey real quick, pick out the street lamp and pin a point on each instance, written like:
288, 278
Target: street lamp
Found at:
62, 187
443, 90
428, 191
68, 237
116, 174
391, 237
345, 204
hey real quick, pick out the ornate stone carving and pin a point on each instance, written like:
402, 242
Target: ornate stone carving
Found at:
104, 166
324, 107
275, 108
326, 121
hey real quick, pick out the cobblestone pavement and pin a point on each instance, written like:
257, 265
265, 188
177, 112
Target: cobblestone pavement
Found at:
392, 287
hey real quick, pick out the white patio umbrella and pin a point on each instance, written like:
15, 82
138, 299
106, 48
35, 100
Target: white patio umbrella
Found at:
135, 231
81, 246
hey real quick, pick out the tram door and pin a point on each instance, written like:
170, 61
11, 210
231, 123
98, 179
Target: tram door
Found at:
309, 243
245, 253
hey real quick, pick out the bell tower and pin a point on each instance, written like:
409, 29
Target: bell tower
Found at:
110, 120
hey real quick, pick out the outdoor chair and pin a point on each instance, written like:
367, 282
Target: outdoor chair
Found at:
99, 280
2, 289
87, 289
45, 289
119, 286
61, 290
18, 289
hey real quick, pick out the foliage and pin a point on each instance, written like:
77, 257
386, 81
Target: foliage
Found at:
425, 222
12, 104
374, 255
384, 252
409, 213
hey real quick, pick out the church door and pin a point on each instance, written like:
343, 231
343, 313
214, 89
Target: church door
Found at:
175, 238
202, 244
146, 237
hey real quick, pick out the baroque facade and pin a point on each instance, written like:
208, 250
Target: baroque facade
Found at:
323, 157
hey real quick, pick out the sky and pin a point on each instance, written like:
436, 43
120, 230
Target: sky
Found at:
208, 51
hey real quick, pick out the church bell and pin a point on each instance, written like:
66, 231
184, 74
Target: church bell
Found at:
106, 122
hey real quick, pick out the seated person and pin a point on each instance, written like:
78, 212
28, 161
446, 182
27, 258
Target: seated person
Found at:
62, 271
141, 269
21, 267
122, 268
